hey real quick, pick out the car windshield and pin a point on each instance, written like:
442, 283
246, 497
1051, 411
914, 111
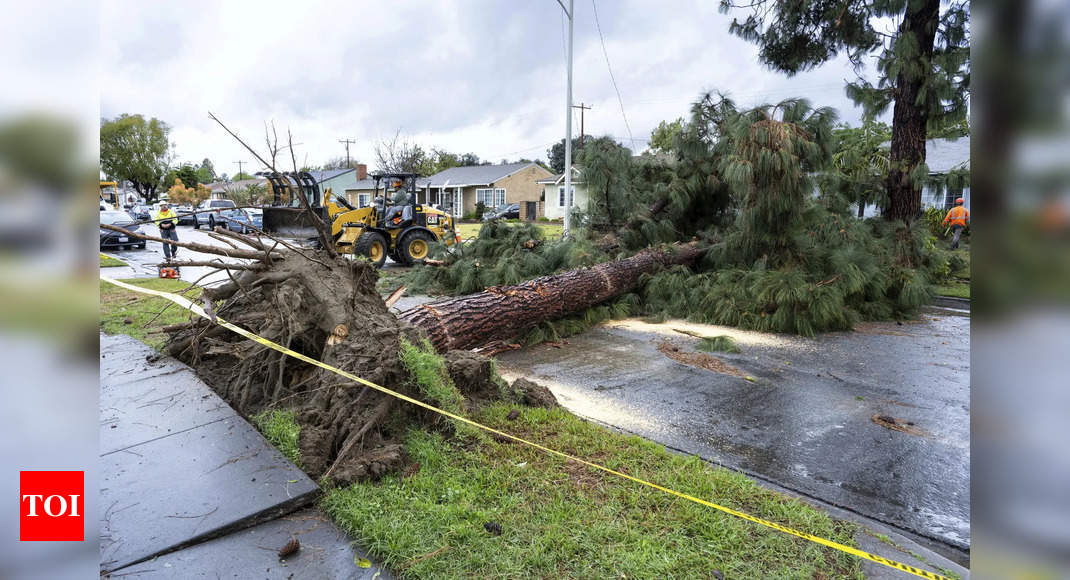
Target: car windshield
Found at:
115, 217
222, 203
233, 213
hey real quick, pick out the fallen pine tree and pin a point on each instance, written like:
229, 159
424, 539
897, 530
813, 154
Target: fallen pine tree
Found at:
504, 312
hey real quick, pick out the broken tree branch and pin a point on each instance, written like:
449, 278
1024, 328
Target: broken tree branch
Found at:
203, 248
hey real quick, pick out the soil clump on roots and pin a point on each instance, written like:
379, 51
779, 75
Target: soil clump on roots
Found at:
326, 308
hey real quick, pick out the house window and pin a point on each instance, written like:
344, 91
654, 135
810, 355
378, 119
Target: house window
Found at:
364, 199
491, 197
561, 196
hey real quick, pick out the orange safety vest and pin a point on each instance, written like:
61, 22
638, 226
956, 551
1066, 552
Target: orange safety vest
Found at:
957, 216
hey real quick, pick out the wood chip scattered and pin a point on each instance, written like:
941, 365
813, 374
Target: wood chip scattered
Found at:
897, 424
698, 359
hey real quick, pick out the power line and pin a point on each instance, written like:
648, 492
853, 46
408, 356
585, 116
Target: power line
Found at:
611, 78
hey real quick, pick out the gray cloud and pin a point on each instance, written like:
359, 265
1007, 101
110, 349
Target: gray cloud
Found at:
466, 75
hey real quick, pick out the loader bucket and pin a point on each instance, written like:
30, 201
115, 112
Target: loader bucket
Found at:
292, 222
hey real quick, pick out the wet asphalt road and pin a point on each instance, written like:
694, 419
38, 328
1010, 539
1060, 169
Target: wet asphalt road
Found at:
805, 422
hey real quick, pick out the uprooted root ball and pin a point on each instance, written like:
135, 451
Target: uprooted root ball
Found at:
327, 309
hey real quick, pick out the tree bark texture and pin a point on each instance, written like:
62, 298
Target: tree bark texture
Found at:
909, 117
504, 312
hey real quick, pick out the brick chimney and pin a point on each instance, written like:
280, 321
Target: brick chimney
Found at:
362, 171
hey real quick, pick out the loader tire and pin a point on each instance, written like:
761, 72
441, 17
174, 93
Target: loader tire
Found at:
415, 247
371, 245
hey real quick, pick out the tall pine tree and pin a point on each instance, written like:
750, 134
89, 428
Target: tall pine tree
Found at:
923, 62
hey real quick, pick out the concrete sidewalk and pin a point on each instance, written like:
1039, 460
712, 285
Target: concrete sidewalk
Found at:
190, 489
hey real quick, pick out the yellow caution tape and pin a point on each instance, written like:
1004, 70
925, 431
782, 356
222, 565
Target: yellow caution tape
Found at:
186, 303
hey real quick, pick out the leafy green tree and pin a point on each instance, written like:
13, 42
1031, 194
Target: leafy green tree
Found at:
923, 63
248, 194
206, 172
188, 174
135, 150
607, 169
556, 154
241, 176
338, 163
859, 164
661, 138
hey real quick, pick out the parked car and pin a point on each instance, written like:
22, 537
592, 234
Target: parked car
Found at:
209, 218
140, 212
257, 215
112, 239
185, 215
238, 220
509, 212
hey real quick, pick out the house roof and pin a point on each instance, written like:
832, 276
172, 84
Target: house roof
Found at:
321, 176
577, 177
472, 175
943, 155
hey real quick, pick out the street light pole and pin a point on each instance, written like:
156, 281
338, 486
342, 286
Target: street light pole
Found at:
568, 126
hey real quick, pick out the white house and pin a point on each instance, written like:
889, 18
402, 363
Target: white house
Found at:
554, 193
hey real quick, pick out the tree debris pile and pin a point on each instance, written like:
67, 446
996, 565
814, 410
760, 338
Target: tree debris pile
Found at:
328, 309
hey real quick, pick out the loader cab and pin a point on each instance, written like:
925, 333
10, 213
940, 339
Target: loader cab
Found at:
396, 200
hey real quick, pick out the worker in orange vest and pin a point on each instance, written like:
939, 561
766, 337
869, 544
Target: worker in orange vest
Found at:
957, 217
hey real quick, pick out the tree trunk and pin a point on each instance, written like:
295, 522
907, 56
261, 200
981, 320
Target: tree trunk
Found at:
505, 312
909, 117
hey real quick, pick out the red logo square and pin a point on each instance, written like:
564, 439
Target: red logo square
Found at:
51, 506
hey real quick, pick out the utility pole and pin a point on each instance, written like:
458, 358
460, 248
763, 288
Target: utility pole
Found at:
582, 108
347, 142
239, 167
568, 123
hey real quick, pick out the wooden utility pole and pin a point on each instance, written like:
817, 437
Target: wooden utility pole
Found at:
582, 108
347, 142
239, 167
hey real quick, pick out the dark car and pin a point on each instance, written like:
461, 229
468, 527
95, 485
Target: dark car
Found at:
508, 212
112, 239
238, 220
209, 218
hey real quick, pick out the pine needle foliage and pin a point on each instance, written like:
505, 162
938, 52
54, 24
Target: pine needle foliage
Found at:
503, 254
791, 261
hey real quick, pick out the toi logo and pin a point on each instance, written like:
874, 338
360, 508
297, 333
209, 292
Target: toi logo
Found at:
51, 506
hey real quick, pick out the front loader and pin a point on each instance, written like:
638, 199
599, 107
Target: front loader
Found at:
403, 231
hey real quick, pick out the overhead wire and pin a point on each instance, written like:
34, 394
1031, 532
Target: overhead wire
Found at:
605, 53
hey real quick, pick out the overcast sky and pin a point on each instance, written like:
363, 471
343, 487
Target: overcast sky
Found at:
464, 75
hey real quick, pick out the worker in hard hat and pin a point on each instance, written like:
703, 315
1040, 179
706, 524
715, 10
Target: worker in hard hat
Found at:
958, 217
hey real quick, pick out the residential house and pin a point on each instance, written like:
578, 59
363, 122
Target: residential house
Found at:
340, 180
554, 194
458, 189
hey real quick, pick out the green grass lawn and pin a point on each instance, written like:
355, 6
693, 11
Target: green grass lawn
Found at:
110, 262
126, 312
957, 290
549, 229
560, 519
